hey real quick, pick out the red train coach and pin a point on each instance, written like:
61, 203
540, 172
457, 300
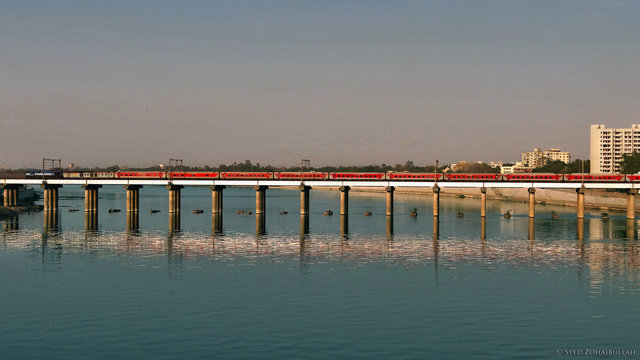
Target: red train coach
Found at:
414, 176
296, 175
194, 175
246, 175
595, 177
140, 175
533, 177
356, 176
473, 177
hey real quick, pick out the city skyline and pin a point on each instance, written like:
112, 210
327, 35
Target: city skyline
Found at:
340, 83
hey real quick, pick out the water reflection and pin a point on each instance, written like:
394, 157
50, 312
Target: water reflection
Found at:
11, 223
51, 220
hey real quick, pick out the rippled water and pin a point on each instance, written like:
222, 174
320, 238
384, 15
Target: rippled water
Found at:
460, 288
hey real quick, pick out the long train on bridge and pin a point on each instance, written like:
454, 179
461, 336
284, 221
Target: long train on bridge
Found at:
334, 176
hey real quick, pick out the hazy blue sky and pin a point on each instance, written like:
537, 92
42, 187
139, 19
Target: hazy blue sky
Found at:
337, 82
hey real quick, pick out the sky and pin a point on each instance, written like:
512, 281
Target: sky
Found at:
135, 83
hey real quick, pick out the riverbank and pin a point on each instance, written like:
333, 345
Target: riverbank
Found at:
594, 198
14, 210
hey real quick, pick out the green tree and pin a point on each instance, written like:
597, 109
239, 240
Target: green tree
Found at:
559, 167
630, 164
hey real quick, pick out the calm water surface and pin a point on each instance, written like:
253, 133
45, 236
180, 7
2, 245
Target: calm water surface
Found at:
460, 288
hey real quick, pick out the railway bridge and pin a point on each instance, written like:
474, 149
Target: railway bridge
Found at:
174, 186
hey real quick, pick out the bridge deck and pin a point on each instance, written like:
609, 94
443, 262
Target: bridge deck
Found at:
351, 183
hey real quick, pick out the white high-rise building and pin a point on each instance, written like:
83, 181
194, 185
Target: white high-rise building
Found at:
608, 146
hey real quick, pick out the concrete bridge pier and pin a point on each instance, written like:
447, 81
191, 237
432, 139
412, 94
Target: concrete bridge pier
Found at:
216, 223
91, 220
11, 194
304, 199
216, 199
344, 200
532, 202
261, 225
344, 226
631, 203
174, 223
91, 197
389, 227
580, 192
261, 198
436, 200
390, 190
50, 196
133, 197
133, 221
436, 227
483, 228
483, 202
174, 198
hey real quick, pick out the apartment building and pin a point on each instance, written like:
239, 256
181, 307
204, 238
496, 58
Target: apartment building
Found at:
538, 157
608, 146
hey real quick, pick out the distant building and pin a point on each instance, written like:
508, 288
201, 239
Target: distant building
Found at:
608, 146
515, 169
538, 157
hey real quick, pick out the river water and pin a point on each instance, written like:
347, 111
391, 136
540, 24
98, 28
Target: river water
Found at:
458, 288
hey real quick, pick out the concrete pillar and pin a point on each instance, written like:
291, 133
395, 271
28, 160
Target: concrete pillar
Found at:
261, 198
261, 225
389, 227
174, 198
50, 196
483, 201
133, 220
304, 199
580, 192
436, 200
11, 194
344, 200
344, 226
133, 197
91, 197
216, 223
390, 190
631, 203
436, 227
91, 219
483, 228
216, 198
532, 225
174, 221
532, 202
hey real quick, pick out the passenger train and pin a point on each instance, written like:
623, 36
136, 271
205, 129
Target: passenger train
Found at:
334, 176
